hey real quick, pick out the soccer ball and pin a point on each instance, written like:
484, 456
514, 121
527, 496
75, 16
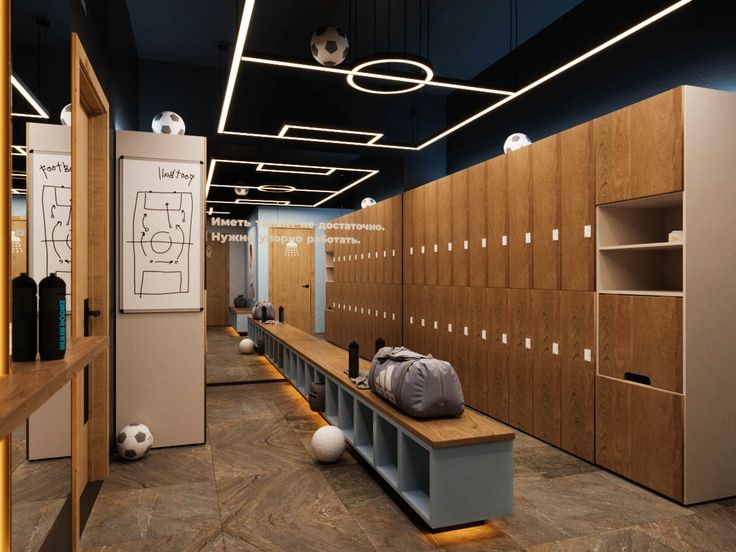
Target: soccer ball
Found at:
328, 444
168, 122
241, 191
66, 115
246, 346
329, 46
367, 202
134, 441
516, 141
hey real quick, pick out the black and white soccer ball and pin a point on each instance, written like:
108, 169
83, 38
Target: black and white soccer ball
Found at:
66, 115
134, 441
329, 46
516, 141
168, 122
367, 202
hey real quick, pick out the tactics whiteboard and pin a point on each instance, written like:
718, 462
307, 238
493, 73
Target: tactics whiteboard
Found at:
160, 235
50, 217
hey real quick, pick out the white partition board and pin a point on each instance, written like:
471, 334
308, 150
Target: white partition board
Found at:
160, 228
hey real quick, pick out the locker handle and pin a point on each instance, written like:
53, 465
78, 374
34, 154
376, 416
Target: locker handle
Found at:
637, 378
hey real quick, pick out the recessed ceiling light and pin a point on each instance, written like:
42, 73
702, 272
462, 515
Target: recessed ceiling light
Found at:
20, 86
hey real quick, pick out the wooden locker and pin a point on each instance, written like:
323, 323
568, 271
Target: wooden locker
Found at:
459, 345
577, 208
371, 263
546, 343
521, 371
520, 217
476, 390
497, 222
397, 239
578, 373
352, 250
388, 239
546, 213
397, 315
363, 236
639, 149
408, 314
442, 311
420, 239
498, 334
460, 244
477, 226
407, 272
444, 231
430, 233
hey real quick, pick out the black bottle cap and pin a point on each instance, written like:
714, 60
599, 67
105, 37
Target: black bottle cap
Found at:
24, 281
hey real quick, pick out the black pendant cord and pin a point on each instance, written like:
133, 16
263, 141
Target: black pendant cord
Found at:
405, 26
350, 29
374, 25
388, 27
428, 14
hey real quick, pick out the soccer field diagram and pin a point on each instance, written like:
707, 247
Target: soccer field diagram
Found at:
162, 241
56, 204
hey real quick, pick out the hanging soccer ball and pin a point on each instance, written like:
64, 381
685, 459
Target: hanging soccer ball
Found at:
329, 46
367, 202
134, 441
168, 122
241, 191
516, 141
66, 115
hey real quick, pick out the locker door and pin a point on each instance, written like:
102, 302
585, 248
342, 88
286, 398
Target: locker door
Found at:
385, 250
438, 339
577, 207
409, 316
497, 222
397, 315
578, 373
396, 251
520, 218
419, 237
444, 231
476, 389
460, 244
453, 330
408, 236
430, 233
546, 346
521, 372
546, 214
477, 226
371, 238
498, 337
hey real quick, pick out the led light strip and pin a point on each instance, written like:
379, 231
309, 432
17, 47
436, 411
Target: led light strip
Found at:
41, 112
18, 174
320, 170
332, 193
376, 135
212, 211
511, 96
19, 150
17, 191
282, 202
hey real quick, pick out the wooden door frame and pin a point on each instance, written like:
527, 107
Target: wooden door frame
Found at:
311, 268
90, 162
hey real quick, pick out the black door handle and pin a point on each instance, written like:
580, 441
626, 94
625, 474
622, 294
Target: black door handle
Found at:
305, 285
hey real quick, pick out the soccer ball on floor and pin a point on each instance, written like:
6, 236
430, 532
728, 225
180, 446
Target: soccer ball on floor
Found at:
516, 141
328, 444
329, 46
168, 122
66, 115
247, 346
134, 441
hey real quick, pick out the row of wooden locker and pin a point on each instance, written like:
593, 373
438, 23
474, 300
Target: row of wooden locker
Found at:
377, 258
525, 357
522, 220
363, 313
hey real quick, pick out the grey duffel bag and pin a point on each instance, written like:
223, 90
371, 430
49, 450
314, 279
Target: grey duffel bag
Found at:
421, 386
258, 311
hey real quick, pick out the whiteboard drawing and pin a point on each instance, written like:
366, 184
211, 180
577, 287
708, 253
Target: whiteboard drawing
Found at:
163, 220
161, 215
50, 211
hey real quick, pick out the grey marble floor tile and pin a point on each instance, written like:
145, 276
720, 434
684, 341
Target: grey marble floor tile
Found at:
159, 512
712, 528
225, 363
31, 522
211, 540
629, 539
239, 403
546, 462
42, 480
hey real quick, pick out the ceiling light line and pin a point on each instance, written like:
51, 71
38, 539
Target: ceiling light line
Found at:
19, 150
237, 55
428, 75
375, 135
256, 202
211, 211
319, 140
366, 177
20, 86
559, 70
373, 75
308, 190
319, 172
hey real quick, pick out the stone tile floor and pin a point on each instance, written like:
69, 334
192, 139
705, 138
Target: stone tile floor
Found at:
225, 365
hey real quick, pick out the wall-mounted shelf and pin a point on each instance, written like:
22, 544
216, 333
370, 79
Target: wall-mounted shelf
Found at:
657, 246
660, 292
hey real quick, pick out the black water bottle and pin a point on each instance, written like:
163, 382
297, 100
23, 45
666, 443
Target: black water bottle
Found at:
25, 336
281, 315
52, 318
353, 361
380, 344
264, 314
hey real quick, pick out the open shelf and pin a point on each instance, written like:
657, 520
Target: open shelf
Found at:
659, 246
414, 474
642, 221
331, 402
363, 436
345, 414
387, 450
636, 269
655, 292
301, 376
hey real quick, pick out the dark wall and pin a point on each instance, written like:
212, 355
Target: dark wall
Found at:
694, 45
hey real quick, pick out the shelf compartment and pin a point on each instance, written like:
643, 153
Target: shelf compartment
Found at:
345, 414
319, 377
632, 269
386, 439
301, 376
331, 410
659, 246
363, 435
647, 220
414, 462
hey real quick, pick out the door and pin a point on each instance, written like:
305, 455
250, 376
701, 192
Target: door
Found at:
407, 222
520, 218
459, 183
498, 222
444, 231
291, 275
497, 336
546, 213
477, 229
521, 374
476, 392
217, 282
430, 233
547, 386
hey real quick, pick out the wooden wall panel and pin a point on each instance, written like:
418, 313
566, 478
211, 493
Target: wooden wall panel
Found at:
498, 339
546, 213
431, 215
639, 149
577, 208
521, 373
460, 245
547, 378
578, 374
497, 220
477, 225
520, 218
444, 231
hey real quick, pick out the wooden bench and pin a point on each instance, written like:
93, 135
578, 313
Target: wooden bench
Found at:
451, 471
238, 318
